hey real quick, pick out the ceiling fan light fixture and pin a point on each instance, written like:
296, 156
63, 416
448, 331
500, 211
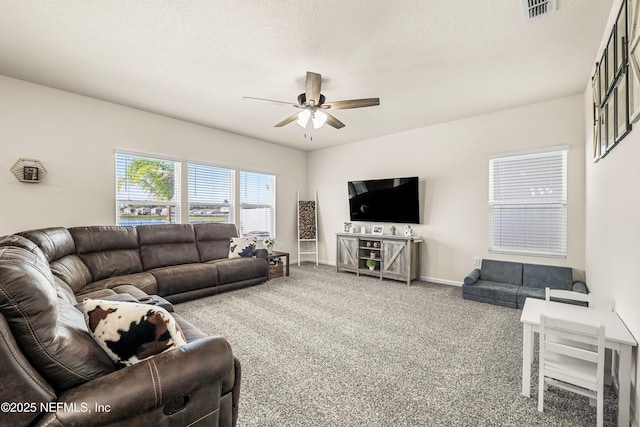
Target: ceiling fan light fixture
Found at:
311, 104
319, 118
303, 118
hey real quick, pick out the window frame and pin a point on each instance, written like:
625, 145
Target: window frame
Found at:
557, 240
181, 200
271, 205
232, 187
175, 203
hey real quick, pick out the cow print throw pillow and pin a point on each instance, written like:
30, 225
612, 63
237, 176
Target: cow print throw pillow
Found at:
130, 332
242, 247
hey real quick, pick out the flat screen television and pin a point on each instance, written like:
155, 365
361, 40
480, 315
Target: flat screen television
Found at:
385, 200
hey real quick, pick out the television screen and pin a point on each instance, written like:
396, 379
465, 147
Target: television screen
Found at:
385, 200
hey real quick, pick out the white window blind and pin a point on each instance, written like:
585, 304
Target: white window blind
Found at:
257, 204
210, 193
528, 203
147, 190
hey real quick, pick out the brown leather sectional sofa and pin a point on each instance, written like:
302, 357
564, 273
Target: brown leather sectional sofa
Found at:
53, 373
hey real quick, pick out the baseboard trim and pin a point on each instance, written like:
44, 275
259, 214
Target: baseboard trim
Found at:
441, 281
422, 278
312, 261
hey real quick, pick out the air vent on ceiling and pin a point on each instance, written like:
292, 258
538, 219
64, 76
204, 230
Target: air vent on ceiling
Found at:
532, 9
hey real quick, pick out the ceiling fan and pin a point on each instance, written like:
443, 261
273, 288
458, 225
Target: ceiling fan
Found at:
313, 106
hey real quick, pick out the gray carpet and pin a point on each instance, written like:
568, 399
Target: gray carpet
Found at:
321, 348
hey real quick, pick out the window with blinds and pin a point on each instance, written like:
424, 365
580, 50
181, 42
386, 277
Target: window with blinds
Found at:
147, 190
257, 204
210, 193
528, 203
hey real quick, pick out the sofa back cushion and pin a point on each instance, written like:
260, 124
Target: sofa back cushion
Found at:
108, 251
213, 240
63, 290
21, 242
55, 242
50, 331
501, 271
59, 249
162, 245
543, 276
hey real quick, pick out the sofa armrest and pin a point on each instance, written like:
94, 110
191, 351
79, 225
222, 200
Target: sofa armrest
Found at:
579, 286
153, 383
261, 253
472, 277
120, 297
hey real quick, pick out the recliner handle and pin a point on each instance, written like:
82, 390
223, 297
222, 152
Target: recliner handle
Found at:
177, 405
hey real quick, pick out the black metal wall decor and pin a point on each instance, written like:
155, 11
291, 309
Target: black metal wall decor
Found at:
28, 170
610, 86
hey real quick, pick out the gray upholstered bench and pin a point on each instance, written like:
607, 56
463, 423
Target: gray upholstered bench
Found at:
510, 283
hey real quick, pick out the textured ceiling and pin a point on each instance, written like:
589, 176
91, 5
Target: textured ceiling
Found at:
429, 61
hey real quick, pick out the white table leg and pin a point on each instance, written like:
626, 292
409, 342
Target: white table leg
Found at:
527, 358
624, 382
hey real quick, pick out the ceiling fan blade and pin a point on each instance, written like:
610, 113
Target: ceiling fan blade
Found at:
270, 101
332, 121
352, 103
312, 87
291, 118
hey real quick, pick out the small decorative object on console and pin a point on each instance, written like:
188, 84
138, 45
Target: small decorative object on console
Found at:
377, 229
407, 230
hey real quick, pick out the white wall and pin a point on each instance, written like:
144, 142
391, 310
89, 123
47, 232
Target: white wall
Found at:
452, 161
613, 225
75, 138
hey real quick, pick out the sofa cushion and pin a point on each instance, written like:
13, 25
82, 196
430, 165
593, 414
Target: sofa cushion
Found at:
501, 272
55, 242
239, 269
23, 243
72, 271
579, 286
131, 332
182, 278
50, 331
492, 290
63, 290
547, 276
145, 282
108, 250
511, 304
242, 247
59, 248
212, 240
472, 277
167, 244
525, 292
